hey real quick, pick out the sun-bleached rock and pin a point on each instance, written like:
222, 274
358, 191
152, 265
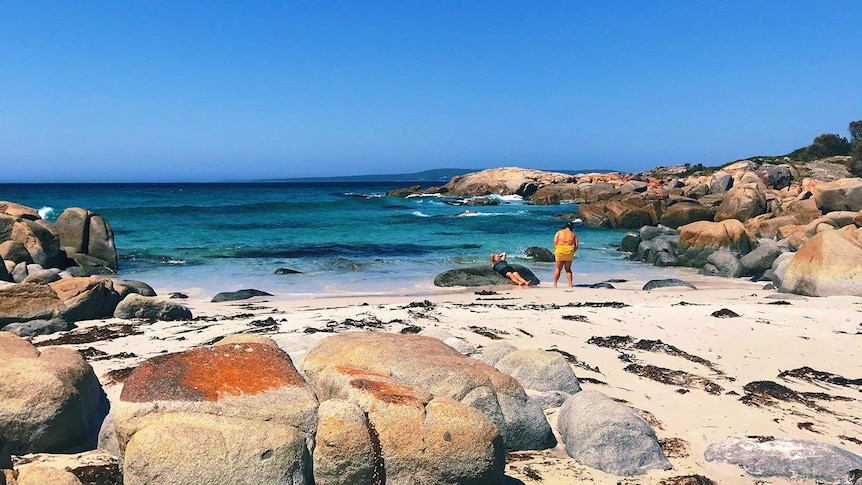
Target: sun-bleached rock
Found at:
829, 263
604, 434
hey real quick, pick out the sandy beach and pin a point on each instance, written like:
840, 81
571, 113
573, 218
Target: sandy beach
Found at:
691, 387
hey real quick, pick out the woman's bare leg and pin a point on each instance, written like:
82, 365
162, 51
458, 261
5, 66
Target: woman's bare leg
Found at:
557, 267
568, 265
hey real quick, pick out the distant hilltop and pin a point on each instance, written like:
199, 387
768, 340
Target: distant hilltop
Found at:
437, 175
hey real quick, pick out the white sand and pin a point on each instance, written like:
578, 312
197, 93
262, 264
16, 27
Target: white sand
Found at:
765, 340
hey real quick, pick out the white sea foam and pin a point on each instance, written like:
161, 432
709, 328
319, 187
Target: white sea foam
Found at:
362, 195
413, 196
419, 214
506, 198
46, 212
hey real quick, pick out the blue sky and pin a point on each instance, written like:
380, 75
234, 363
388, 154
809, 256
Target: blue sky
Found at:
203, 91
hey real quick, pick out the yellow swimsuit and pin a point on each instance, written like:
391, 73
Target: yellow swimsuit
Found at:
564, 252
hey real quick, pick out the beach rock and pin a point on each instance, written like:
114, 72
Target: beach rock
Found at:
481, 276
776, 176
238, 295
33, 328
601, 433
151, 308
792, 459
660, 251
554, 194
14, 251
829, 263
742, 202
18, 211
839, 195
594, 215
125, 287
419, 438
42, 276
25, 302
700, 239
683, 213
232, 413
345, 452
87, 233
630, 242
548, 399
52, 401
720, 182
723, 263
667, 283
89, 265
86, 298
404, 192
495, 351
540, 370
539, 254
44, 475
42, 245
760, 258
461, 345
436, 368
624, 215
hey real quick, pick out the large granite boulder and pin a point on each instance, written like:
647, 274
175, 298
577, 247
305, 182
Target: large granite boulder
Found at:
17, 211
234, 413
829, 263
776, 176
429, 365
793, 459
761, 258
41, 244
86, 298
601, 433
626, 215
52, 401
25, 302
481, 276
554, 194
723, 263
151, 308
416, 437
839, 195
88, 233
243, 294
683, 213
14, 251
540, 370
720, 182
594, 215
742, 202
700, 239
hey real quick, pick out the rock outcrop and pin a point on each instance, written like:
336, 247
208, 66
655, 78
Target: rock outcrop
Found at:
423, 366
830, 263
481, 276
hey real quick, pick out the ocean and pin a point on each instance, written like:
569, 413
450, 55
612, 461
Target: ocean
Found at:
343, 238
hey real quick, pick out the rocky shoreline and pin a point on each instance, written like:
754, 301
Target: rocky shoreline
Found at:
740, 220
143, 392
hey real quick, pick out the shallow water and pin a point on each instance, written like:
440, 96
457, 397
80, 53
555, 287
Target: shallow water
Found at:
342, 237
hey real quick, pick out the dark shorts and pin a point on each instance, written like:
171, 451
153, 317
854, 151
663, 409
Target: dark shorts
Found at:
503, 268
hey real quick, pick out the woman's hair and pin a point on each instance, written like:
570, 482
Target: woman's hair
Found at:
569, 225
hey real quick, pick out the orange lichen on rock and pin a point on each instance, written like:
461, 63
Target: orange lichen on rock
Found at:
380, 386
210, 373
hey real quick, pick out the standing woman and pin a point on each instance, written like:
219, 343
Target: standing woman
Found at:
565, 245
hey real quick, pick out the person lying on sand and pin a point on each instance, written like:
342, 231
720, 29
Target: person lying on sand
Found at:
499, 264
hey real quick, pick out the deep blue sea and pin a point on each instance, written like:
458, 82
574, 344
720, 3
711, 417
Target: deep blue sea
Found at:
342, 237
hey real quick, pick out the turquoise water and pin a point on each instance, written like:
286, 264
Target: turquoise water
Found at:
342, 237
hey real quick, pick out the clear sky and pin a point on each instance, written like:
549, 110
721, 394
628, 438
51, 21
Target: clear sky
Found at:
211, 90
